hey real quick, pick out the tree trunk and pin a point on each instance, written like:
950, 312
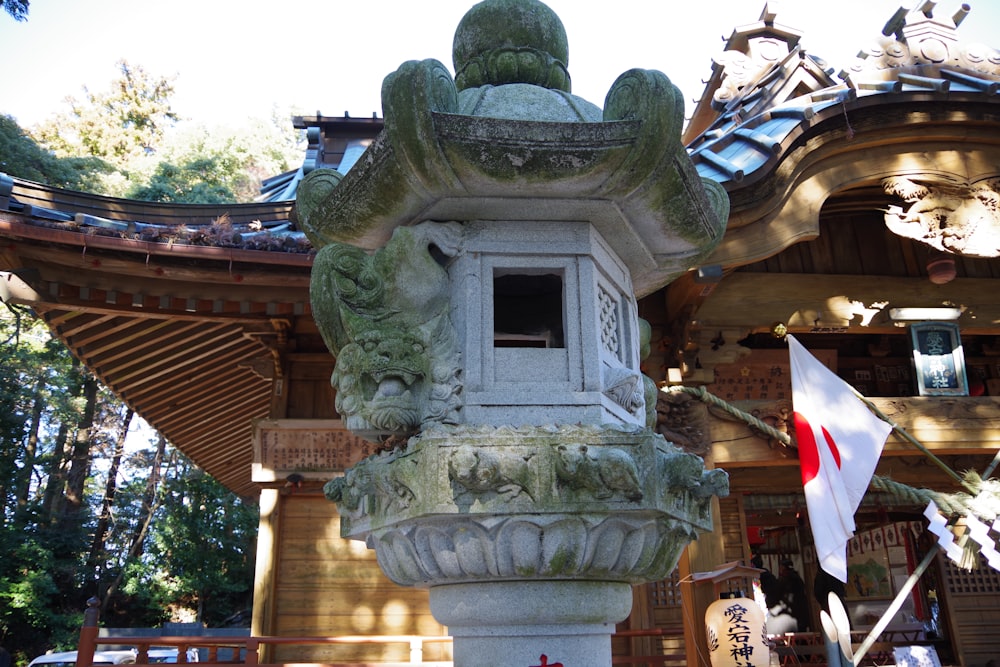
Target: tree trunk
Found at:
56, 476
98, 546
79, 466
150, 503
22, 488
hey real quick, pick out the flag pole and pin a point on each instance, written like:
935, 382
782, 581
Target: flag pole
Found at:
992, 466
901, 432
890, 612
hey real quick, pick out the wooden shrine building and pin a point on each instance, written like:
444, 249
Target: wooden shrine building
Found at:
865, 212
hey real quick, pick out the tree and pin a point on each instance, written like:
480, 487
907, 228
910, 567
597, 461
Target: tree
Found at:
38, 558
203, 545
80, 513
104, 521
123, 126
139, 514
125, 122
21, 156
16, 8
135, 149
220, 165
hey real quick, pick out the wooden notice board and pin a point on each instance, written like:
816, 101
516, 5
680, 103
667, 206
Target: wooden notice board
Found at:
761, 375
313, 448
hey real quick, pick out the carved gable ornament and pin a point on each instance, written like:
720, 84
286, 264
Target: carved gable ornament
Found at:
949, 215
920, 37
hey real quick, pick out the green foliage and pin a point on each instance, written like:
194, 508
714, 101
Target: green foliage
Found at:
174, 538
125, 142
22, 157
119, 125
206, 534
197, 551
203, 166
197, 181
26, 597
113, 134
13, 419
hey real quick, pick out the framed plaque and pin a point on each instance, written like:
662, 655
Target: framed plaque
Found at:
938, 359
311, 448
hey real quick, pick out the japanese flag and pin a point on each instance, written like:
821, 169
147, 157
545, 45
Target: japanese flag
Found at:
840, 441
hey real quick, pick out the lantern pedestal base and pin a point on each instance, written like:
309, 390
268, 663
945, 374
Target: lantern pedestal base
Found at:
516, 623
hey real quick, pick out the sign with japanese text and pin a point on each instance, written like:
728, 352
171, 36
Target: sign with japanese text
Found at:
761, 375
938, 359
313, 448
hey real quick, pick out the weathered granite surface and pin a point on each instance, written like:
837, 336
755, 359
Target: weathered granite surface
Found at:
477, 282
457, 150
483, 503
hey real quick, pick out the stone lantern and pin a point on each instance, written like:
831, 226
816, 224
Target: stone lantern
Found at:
476, 280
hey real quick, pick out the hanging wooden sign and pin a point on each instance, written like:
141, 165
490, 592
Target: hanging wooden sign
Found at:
313, 448
761, 375
938, 359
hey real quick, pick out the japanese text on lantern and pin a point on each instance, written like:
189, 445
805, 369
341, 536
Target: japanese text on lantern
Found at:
740, 634
304, 446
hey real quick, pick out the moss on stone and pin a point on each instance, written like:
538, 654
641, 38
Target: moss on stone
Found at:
511, 41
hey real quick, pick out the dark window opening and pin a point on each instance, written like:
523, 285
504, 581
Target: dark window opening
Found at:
528, 310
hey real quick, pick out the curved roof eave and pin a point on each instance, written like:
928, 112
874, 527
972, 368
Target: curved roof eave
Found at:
742, 151
847, 142
263, 232
180, 310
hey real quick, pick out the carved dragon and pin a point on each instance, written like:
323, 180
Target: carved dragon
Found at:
385, 316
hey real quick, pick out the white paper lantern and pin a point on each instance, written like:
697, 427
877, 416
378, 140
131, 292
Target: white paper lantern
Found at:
736, 635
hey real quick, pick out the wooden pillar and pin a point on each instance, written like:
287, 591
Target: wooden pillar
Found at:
266, 565
702, 555
88, 634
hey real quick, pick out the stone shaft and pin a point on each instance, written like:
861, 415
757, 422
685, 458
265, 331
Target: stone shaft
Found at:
528, 624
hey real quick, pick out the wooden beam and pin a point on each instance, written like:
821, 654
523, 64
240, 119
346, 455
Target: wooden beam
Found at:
193, 375
946, 426
186, 353
64, 310
222, 418
858, 304
30, 236
115, 331
172, 412
148, 333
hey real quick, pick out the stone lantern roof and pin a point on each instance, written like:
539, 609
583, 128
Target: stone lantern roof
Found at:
506, 140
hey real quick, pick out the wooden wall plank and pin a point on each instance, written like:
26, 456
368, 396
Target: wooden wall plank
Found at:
326, 585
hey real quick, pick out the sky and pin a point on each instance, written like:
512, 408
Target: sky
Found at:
234, 59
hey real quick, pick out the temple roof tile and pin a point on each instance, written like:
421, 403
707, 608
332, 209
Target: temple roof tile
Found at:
762, 107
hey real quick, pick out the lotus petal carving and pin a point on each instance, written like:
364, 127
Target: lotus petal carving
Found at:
463, 549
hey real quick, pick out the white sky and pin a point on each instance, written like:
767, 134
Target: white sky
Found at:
238, 58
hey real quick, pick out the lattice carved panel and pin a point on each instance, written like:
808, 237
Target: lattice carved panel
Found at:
666, 592
984, 579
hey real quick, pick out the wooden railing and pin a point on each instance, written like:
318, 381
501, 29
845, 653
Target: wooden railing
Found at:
247, 650
661, 659
243, 649
792, 649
